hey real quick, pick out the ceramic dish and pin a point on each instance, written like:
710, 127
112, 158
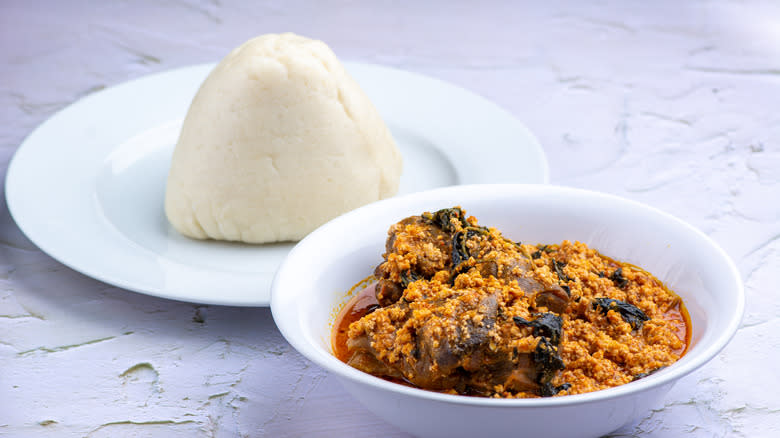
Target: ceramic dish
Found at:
87, 186
312, 283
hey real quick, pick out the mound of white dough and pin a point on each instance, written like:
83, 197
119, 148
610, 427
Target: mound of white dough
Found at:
278, 140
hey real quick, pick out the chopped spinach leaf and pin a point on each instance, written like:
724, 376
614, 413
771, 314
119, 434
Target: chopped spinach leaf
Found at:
547, 325
460, 252
630, 313
618, 279
558, 268
444, 218
547, 361
549, 390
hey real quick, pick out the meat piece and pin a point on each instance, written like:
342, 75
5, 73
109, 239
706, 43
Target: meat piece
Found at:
364, 354
447, 345
515, 268
368, 363
529, 285
430, 246
415, 248
487, 268
388, 292
553, 298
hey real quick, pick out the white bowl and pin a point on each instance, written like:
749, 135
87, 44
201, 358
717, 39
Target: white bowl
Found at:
312, 282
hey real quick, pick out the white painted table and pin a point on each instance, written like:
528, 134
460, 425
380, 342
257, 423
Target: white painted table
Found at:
675, 104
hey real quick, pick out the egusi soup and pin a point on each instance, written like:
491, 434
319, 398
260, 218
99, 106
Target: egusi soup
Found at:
457, 308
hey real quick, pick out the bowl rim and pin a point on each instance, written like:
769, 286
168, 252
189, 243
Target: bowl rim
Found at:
327, 361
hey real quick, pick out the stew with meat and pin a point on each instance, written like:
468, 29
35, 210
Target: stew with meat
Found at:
458, 308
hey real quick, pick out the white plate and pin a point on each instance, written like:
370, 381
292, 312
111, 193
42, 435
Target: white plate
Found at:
87, 186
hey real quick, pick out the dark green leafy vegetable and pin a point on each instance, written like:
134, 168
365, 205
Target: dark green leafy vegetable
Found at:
630, 313
460, 252
547, 325
549, 390
558, 268
618, 279
444, 218
547, 361
541, 249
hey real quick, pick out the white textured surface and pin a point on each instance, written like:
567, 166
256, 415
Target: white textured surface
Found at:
675, 104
